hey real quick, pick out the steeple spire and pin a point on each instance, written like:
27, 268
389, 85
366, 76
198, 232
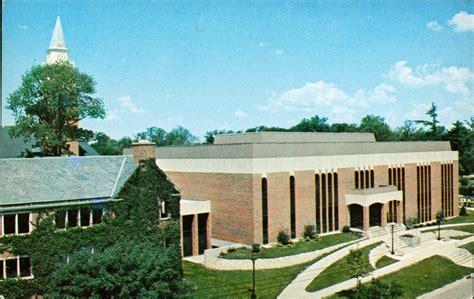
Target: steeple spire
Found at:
57, 48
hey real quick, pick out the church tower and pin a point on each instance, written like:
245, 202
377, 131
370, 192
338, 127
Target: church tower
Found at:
58, 52
57, 48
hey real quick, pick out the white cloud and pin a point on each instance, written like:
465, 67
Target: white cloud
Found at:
112, 115
240, 114
279, 52
340, 114
434, 26
462, 21
261, 45
24, 27
321, 94
176, 118
452, 79
127, 104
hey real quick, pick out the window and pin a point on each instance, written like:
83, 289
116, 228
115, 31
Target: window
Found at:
264, 211
85, 216
60, 219
323, 198
367, 178
372, 178
97, 215
362, 179
25, 266
1, 269
72, 218
318, 203
9, 224
24, 223
292, 206
331, 227
11, 268
356, 179
336, 203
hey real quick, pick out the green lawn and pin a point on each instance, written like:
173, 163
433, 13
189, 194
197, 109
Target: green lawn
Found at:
423, 277
464, 228
337, 272
385, 261
461, 219
470, 247
297, 248
238, 284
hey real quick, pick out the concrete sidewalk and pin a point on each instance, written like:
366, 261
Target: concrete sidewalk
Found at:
461, 289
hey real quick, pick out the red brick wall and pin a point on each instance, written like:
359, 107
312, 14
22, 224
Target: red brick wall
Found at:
231, 197
410, 191
435, 189
456, 188
305, 200
278, 203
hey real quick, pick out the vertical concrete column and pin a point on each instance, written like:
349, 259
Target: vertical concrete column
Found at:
384, 214
195, 233
181, 235
365, 218
1, 225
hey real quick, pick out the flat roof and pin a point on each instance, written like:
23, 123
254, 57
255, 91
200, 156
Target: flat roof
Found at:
290, 137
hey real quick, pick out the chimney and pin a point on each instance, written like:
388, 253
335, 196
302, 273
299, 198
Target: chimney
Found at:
143, 149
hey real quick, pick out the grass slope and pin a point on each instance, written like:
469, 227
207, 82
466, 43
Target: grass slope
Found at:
385, 261
337, 272
470, 247
299, 247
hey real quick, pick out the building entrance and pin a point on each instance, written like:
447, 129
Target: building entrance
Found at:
356, 216
375, 214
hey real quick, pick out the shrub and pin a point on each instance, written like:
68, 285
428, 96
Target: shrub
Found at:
255, 248
410, 223
232, 249
463, 211
309, 232
407, 236
346, 229
283, 236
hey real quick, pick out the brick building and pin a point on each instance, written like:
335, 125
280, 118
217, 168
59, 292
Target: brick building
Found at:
259, 183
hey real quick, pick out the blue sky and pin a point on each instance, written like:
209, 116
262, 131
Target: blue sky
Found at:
237, 64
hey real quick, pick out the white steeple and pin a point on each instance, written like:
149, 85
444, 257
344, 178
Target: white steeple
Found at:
57, 48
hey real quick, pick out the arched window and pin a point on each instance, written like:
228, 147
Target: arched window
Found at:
331, 227
264, 211
317, 185
292, 207
323, 198
336, 203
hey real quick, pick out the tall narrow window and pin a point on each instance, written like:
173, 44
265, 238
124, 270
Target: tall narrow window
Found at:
429, 192
264, 211
362, 179
367, 178
372, 178
356, 179
85, 216
60, 219
1, 269
97, 215
451, 189
390, 176
336, 203
403, 188
292, 207
399, 179
330, 218
418, 195
323, 198
25, 266
11, 268
318, 202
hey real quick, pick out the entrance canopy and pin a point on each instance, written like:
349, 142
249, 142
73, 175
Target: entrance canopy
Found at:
367, 197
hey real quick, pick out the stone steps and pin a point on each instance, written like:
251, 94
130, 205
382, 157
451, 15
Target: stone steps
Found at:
462, 257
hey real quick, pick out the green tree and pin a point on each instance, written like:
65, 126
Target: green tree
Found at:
266, 129
343, 127
377, 125
461, 137
180, 136
376, 289
314, 124
50, 101
154, 134
435, 132
210, 135
105, 145
357, 264
409, 132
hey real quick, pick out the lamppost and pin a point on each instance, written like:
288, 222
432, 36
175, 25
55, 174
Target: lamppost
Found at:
392, 224
254, 295
439, 218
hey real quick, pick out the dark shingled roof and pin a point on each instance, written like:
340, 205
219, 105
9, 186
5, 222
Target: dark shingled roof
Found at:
54, 179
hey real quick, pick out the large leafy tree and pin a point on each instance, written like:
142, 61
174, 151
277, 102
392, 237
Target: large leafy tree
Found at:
377, 125
50, 101
314, 124
105, 145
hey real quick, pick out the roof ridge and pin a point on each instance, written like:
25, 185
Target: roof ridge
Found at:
118, 176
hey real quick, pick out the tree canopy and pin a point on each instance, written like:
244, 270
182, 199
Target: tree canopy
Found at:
50, 101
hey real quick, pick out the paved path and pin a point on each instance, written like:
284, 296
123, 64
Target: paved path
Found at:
428, 248
461, 289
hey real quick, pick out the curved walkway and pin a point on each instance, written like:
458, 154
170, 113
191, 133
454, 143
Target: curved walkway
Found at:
273, 263
296, 289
